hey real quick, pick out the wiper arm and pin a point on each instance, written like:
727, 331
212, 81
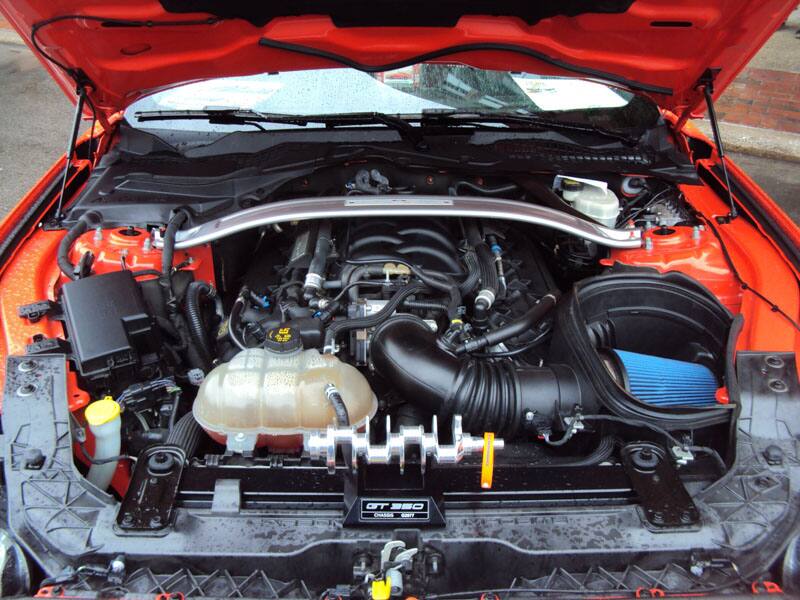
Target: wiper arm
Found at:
244, 116
443, 116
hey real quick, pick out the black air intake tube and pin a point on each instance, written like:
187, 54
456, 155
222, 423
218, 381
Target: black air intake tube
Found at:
490, 396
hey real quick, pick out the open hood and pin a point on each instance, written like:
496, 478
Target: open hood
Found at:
124, 49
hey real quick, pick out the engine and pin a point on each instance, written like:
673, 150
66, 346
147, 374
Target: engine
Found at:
394, 340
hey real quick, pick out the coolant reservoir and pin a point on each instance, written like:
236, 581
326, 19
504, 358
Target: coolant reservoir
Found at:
268, 396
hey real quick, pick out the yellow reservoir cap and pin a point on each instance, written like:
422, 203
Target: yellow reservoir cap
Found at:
382, 589
102, 411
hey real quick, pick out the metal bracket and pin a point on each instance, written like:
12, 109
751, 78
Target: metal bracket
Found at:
664, 500
148, 505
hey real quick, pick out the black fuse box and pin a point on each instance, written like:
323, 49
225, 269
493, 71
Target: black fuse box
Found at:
109, 329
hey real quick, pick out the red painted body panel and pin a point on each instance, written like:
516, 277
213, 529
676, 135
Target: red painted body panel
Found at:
668, 44
696, 253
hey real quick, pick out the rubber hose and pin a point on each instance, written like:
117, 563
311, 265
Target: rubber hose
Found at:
186, 434
512, 329
167, 255
316, 269
194, 317
502, 189
88, 219
339, 407
488, 270
337, 327
426, 305
489, 395
473, 273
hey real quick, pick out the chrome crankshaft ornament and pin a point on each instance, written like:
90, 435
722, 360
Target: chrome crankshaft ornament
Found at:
323, 445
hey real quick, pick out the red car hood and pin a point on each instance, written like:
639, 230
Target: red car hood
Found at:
124, 49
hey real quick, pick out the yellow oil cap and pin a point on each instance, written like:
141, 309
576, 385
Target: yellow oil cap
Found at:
382, 589
102, 411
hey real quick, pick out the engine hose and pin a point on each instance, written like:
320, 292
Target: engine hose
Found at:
89, 219
433, 279
497, 396
473, 273
316, 270
338, 327
194, 317
488, 191
426, 305
342, 417
167, 254
233, 323
186, 434
512, 329
487, 292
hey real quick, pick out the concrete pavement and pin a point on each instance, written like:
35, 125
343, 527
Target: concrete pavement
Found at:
35, 120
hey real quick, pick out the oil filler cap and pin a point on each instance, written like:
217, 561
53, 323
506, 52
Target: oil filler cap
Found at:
283, 339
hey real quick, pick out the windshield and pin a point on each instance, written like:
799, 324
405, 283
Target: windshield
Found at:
407, 91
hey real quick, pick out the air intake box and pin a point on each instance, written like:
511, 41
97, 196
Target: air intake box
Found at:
109, 329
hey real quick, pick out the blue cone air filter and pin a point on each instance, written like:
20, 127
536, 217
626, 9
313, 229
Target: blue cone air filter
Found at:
667, 382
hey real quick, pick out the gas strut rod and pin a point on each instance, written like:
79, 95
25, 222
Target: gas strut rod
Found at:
708, 92
76, 123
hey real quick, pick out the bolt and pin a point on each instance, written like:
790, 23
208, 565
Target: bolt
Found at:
648, 243
697, 569
658, 517
26, 390
776, 362
686, 517
147, 244
529, 416
155, 521
26, 366
696, 233
117, 565
98, 234
778, 385
127, 520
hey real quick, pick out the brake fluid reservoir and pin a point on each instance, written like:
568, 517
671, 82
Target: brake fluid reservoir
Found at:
271, 396
593, 200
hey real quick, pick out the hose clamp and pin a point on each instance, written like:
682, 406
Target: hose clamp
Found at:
313, 280
486, 296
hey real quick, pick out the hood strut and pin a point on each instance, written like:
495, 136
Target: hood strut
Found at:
707, 83
76, 123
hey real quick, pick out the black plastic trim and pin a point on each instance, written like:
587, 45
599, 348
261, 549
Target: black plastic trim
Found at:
479, 47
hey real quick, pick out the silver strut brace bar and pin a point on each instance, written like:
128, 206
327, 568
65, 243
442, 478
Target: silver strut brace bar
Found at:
345, 207
323, 444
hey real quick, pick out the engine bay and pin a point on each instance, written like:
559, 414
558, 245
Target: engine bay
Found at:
364, 374
307, 332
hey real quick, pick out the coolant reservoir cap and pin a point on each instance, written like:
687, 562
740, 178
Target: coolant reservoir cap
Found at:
283, 339
102, 412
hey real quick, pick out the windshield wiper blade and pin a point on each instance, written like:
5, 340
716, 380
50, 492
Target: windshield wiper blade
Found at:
220, 116
236, 116
445, 116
